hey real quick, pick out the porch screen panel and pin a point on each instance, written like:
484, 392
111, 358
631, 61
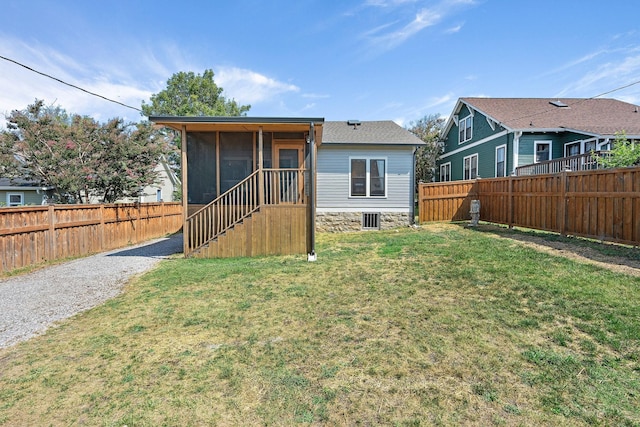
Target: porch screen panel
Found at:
201, 171
267, 142
236, 158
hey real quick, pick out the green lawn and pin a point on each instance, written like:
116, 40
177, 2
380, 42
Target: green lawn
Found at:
439, 325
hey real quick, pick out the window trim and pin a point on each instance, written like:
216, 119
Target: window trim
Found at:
535, 149
464, 169
447, 165
504, 146
580, 145
460, 122
9, 204
368, 160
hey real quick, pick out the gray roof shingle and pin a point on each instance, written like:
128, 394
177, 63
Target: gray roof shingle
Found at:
368, 132
602, 116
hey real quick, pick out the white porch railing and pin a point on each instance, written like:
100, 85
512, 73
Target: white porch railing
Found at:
587, 161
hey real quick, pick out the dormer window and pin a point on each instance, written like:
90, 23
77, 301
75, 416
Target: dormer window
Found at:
465, 127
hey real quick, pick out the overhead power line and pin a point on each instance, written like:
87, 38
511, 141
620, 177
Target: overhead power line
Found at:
581, 100
69, 84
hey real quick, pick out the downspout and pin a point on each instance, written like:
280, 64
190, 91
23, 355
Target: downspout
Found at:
516, 150
412, 185
312, 193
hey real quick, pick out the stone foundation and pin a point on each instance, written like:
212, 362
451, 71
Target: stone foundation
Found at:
337, 222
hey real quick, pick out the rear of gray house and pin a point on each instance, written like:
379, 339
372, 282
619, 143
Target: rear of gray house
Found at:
365, 176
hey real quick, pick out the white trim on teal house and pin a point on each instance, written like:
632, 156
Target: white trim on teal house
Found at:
445, 172
472, 168
517, 123
501, 159
537, 151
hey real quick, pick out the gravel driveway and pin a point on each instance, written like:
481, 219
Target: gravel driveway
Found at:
30, 303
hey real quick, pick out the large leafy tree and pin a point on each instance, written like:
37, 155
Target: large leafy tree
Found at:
427, 129
190, 94
78, 156
126, 158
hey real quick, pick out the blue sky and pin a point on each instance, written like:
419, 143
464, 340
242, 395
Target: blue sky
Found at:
363, 59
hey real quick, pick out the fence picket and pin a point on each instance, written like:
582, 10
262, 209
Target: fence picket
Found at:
602, 204
34, 234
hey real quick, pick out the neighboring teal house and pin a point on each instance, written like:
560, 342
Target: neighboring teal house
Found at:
491, 137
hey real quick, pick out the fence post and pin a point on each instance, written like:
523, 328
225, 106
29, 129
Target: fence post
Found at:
102, 227
139, 207
563, 203
52, 233
510, 203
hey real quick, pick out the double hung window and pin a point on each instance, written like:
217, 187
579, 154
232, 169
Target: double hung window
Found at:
368, 177
471, 167
465, 128
501, 161
445, 172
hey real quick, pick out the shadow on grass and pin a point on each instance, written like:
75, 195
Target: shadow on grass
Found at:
569, 246
157, 249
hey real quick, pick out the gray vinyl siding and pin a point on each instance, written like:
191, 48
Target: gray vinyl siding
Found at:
333, 177
31, 197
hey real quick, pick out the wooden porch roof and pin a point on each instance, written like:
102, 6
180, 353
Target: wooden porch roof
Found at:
241, 124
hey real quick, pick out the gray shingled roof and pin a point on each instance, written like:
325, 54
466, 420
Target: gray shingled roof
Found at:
18, 182
368, 132
600, 116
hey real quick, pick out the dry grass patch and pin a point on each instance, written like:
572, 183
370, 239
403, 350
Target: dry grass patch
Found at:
433, 326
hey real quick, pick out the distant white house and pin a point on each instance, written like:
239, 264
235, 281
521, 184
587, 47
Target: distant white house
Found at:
165, 188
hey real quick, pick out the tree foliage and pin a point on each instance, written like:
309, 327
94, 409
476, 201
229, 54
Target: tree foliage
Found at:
427, 129
189, 94
623, 153
78, 156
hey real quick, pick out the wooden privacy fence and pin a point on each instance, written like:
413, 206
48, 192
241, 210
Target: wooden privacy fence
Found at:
35, 234
600, 204
446, 201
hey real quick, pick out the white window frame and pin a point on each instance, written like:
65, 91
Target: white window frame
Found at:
464, 168
446, 166
504, 147
15, 194
461, 123
535, 150
580, 145
368, 176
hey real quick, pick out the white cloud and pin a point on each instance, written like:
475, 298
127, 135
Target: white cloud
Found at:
130, 80
21, 86
248, 87
315, 96
607, 76
454, 29
424, 18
